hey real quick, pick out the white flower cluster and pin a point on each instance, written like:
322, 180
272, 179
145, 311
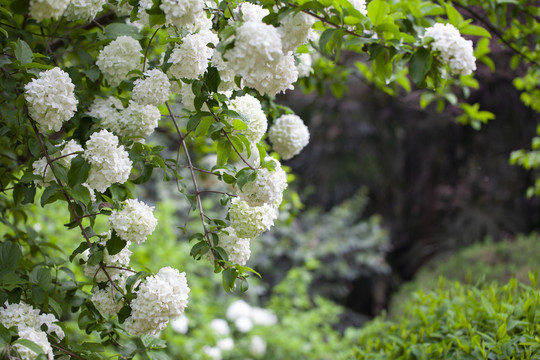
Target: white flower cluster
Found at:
303, 65
47, 9
237, 248
107, 110
114, 264
28, 322
104, 300
294, 31
118, 58
453, 48
181, 13
190, 59
288, 135
180, 324
252, 12
359, 5
134, 222
65, 155
250, 221
161, 297
51, 99
152, 90
267, 188
245, 316
109, 161
84, 9
249, 107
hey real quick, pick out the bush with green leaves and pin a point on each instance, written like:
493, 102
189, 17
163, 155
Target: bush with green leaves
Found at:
459, 321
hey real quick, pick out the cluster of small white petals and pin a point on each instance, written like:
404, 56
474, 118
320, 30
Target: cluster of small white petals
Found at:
275, 78
226, 344
118, 58
114, 264
267, 188
249, 107
28, 322
245, 316
257, 346
238, 309
142, 16
303, 65
51, 99
107, 111
109, 161
152, 90
250, 221
288, 135
180, 324
201, 23
181, 12
121, 10
213, 352
187, 96
65, 156
453, 48
220, 327
263, 317
359, 5
225, 73
139, 120
294, 31
47, 9
161, 297
105, 302
252, 12
134, 222
84, 9
237, 248
190, 59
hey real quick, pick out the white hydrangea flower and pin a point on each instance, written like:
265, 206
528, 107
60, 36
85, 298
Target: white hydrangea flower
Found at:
84, 9
114, 264
453, 48
252, 12
134, 222
294, 31
201, 23
225, 73
51, 99
65, 155
257, 346
213, 352
244, 324
263, 317
238, 249
104, 300
249, 222
181, 324
220, 327
288, 135
249, 107
303, 65
267, 188
106, 109
181, 13
109, 162
238, 309
47, 9
274, 78
143, 19
118, 58
190, 59
152, 90
188, 97
138, 120
359, 5
160, 297
225, 344
36, 336
121, 10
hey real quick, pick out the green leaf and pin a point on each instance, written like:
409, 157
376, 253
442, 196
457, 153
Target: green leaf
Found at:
79, 250
41, 276
204, 125
115, 244
31, 345
78, 172
246, 176
224, 150
48, 193
420, 64
326, 36
474, 30
378, 11
80, 193
23, 52
229, 278
114, 30
10, 254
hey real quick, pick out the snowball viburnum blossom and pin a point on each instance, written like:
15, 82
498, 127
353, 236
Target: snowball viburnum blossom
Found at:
288, 135
160, 297
118, 58
303, 65
181, 13
84, 9
453, 48
273, 78
220, 327
104, 300
134, 222
51, 99
152, 90
65, 155
249, 107
238, 249
138, 120
252, 12
117, 262
294, 31
267, 188
107, 111
190, 59
250, 221
109, 162
47, 9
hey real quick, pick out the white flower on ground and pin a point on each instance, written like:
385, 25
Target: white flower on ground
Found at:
452, 47
220, 327
238, 309
267, 188
180, 324
250, 221
244, 324
190, 59
257, 346
47, 9
249, 107
303, 65
118, 58
181, 13
114, 264
51, 99
288, 135
152, 90
225, 344
238, 249
160, 297
294, 31
84, 9
134, 222
109, 162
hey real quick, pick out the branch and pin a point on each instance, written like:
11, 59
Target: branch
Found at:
147, 48
106, 19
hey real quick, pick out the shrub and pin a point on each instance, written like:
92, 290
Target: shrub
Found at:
459, 322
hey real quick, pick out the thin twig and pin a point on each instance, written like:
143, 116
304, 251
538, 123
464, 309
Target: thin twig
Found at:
147, 48
216, 192
57, 347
